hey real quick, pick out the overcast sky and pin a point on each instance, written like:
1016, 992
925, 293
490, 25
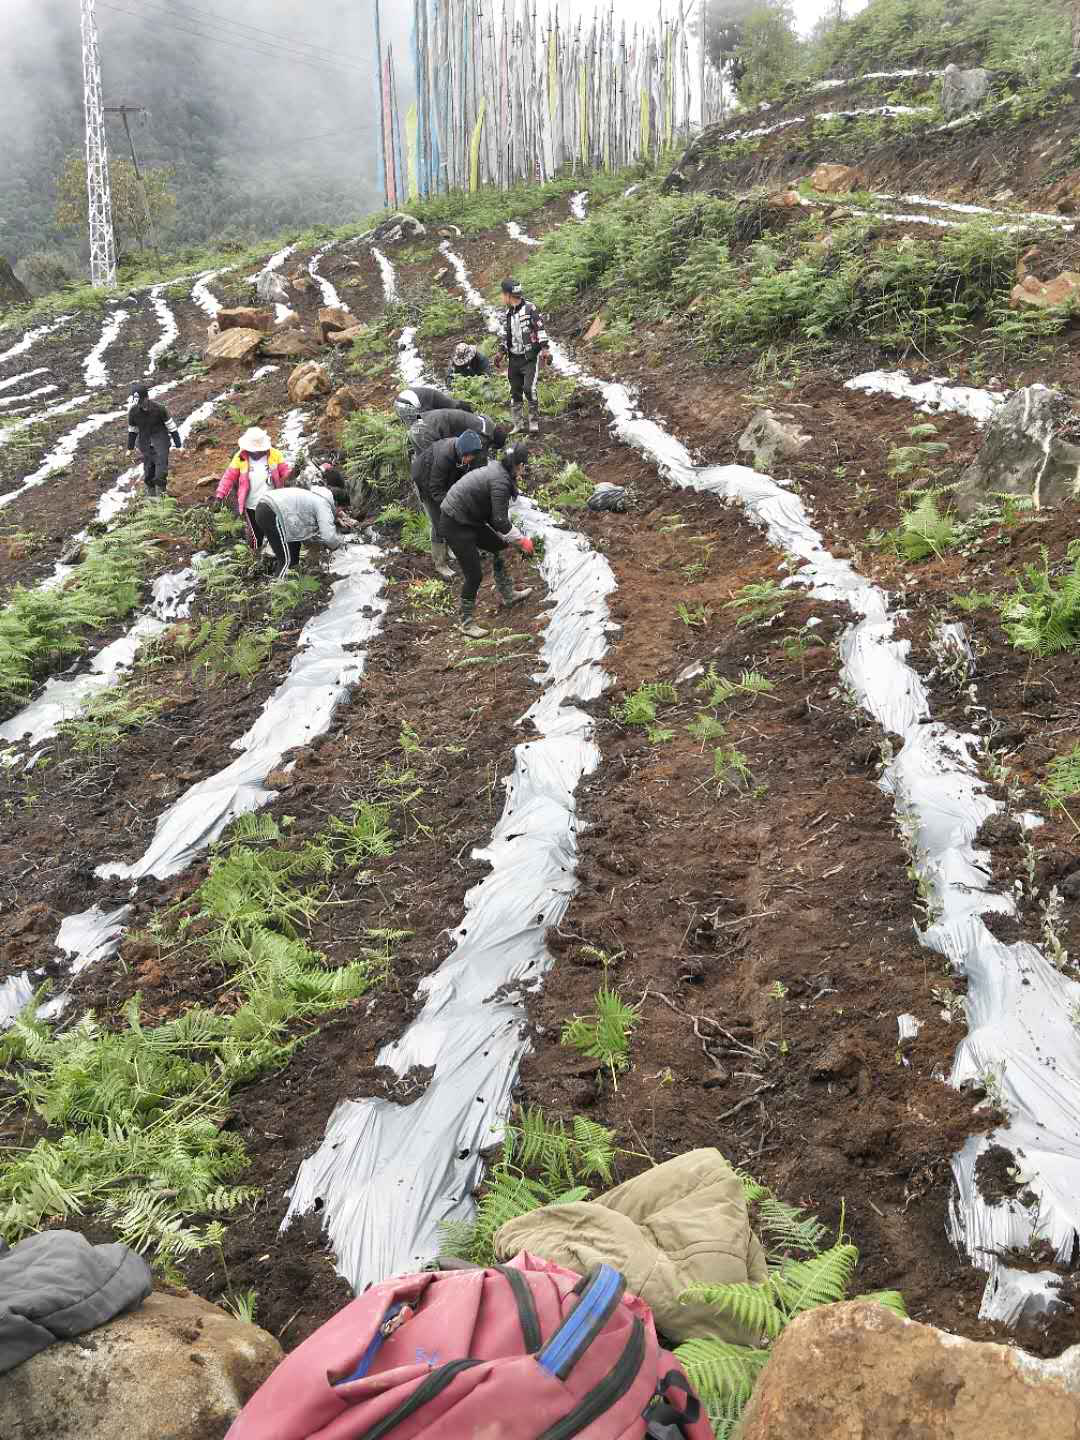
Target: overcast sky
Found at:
806, 11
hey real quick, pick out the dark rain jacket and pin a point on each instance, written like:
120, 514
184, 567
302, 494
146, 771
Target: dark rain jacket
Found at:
448, 425
150, 424
436, 469
482, 497
432, 399
56, 1285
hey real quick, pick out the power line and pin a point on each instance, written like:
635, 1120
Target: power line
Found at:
231, 40
193, 12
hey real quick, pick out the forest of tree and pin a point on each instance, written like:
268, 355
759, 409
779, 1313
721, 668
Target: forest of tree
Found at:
259, 133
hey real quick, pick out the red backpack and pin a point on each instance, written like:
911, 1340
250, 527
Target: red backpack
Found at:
526, 1350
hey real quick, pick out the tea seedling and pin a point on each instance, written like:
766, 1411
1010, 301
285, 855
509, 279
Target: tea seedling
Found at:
605, 1035
759, 603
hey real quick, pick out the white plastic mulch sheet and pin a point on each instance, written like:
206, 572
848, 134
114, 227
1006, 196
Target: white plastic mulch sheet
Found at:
202, 295
1021, 1036
32, 337
517, 233
326, 666
932, 396
330, 296
387, 1174
94, 365
386, 271
19, 401
14, 380
169, 328
579, 205
61, 699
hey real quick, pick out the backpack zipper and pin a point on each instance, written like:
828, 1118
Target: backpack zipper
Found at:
382, 1334
434, 1385
526, 1308
603, 1396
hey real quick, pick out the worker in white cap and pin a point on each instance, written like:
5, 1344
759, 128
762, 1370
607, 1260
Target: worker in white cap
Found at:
255, 469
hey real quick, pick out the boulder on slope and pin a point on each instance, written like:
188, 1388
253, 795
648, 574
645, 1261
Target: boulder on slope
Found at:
308, 380
963, 90
1022, 453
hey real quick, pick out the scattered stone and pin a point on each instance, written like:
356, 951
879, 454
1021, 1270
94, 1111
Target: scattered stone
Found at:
784, 200
963, 90
233, 345
346, 337
289, 321
300, 280
397, 227
1020, 454
177, 1367
1037, 294
597, 328
288, 344
334, 317
309, 380
831, 178
73, 552
204, 481
844, 1372
245, 317
271, 289
343, 402
12, 290
769, 435
674, 182
213, 330
1065, 195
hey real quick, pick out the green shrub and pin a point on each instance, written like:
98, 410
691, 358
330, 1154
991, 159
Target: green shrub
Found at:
374, 445
1043, 615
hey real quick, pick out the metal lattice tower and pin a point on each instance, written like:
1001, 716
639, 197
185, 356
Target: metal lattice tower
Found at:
102, 240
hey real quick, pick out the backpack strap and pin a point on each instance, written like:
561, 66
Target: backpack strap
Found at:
600, 1297
665, 1421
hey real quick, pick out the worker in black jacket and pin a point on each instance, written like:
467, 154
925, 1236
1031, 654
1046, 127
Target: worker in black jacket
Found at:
433, 473
476, 518
152, 428
526, 345
467, 361
420, 399
449, 424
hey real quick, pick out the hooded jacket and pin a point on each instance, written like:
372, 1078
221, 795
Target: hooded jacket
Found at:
448, 425
146, 425
238, 474
306, 515
436, 469
482, 498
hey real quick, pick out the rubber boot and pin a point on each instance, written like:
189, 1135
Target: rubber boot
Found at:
519, 417
468, 625
534, 419
442, 565
507, 594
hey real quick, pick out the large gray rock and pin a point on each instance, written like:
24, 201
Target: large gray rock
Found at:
859, 1372
12, 290
1022, 455
177, 1368
768, 436
963, 90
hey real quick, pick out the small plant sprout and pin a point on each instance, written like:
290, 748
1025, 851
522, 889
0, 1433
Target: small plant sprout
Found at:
1063, 782
778, 993
1052, 910
605, 1035
718, 689
730, 769
429, 597
759, 603
694, 616
638, 710
952, 1004
706, 728
242, 1304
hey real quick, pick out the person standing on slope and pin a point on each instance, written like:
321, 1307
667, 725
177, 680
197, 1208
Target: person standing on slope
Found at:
475, 520
151, 427
291, 515
255, 468
434, 472
526, 346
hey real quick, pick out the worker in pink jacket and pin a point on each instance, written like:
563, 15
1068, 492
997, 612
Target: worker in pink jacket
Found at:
255, 469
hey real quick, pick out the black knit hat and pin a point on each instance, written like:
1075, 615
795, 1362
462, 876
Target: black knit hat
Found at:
511, 287
141, 391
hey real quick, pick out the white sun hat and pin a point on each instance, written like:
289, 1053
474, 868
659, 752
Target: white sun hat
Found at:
254, 441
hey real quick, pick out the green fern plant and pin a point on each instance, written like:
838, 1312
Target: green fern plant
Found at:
569, 490
374, 446
605, 1035
365, 835
706, 728
717, 689
638, 709
759, 602
1043, 616
415, 530
802, 1274
730, 769
923, 531
107, 717
289, 592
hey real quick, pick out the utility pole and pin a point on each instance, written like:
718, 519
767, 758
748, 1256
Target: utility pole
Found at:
99, 195
124, 111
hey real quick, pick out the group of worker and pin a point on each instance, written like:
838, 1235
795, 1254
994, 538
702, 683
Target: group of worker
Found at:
464, 474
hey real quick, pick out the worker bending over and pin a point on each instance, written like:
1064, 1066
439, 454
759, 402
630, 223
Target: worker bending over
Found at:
152, 428
419, 399
449, 424
467, 361
476, 519
290, 516
434, 472
526, 346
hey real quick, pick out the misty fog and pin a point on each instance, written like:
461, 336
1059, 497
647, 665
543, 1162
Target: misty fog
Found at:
263, 130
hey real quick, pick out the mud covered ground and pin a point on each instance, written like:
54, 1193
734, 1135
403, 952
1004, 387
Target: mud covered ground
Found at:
761, 918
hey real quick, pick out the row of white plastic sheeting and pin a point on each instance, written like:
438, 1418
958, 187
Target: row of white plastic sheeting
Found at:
579, 202
1021, 1034
14, 380
387, 1174
94, 368
169, 328
517, 233
32, 337
933, 396
330, 296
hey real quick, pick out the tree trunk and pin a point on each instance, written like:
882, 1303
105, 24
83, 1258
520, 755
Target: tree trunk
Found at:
1074, 13
12, 290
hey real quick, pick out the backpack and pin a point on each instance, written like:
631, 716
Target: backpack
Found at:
524, 1351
